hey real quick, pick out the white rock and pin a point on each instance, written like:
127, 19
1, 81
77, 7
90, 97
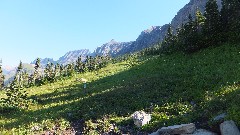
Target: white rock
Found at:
178, 129
140, 118
229, 128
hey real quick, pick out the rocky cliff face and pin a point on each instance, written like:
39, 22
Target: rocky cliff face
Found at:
44, 61
155, 34
150, 37
112, 48
69, 57
72, 56
147, 38
190, 8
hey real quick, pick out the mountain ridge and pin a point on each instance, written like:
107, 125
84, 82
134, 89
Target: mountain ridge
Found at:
147, 38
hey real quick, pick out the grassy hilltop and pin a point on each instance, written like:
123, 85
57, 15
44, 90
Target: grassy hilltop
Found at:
176, 88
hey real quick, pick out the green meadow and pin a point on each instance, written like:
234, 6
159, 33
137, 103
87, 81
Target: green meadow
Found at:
176, 88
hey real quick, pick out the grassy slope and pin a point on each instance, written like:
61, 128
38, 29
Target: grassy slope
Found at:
182, 88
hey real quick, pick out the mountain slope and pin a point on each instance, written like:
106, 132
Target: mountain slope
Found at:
156, 34
147, 38
72, 56
190, 8
112, 48
69, 57
177, 89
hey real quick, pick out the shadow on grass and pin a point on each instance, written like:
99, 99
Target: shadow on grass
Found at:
128, 91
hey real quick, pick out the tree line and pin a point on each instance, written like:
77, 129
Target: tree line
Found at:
17, 96
211, 28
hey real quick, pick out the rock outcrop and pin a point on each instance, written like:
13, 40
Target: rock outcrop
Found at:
69, 57
190, 8
72, 56
229, 128
113, 48
155, 34
44, 61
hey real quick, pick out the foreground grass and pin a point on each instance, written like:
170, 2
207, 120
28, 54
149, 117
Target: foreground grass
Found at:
174, 88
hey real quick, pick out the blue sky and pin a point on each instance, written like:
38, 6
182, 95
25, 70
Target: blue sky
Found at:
50, 28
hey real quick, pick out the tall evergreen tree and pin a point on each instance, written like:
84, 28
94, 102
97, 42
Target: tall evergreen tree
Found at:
16, 96
1, 77
18, 79
224, 13
79, 65
168, 42
57, 71
230, 15
49, 72
35, 78
212, 23
190, 36
70, 69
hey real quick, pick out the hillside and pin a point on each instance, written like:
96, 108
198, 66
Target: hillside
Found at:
180, 88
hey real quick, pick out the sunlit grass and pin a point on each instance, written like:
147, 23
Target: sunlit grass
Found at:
175, 88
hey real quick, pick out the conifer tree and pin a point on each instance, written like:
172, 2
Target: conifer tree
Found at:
190, 36
18, 79
212, 24
16, 96
230, 15
70, 69
25, 78
168, 42
1, 77
35, 78
49, 72
57, 71
224, 18
79, 65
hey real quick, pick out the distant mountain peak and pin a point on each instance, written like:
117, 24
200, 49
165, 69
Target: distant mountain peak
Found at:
151, 29
113, 41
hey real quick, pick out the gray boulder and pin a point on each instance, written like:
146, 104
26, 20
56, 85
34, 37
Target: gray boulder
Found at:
229, 128
203, 132
178, 129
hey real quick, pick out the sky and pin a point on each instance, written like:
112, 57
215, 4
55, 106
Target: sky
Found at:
50, 28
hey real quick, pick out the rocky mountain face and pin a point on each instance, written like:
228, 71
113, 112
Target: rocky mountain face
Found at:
69, 57
155, 34
9, 72
147, 38
150, 37
44, 61
72, 56
112, 48
190, 8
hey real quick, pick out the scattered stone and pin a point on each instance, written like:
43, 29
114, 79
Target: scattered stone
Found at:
220, 117
229, 128
203, 132
178, 129
140, 118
